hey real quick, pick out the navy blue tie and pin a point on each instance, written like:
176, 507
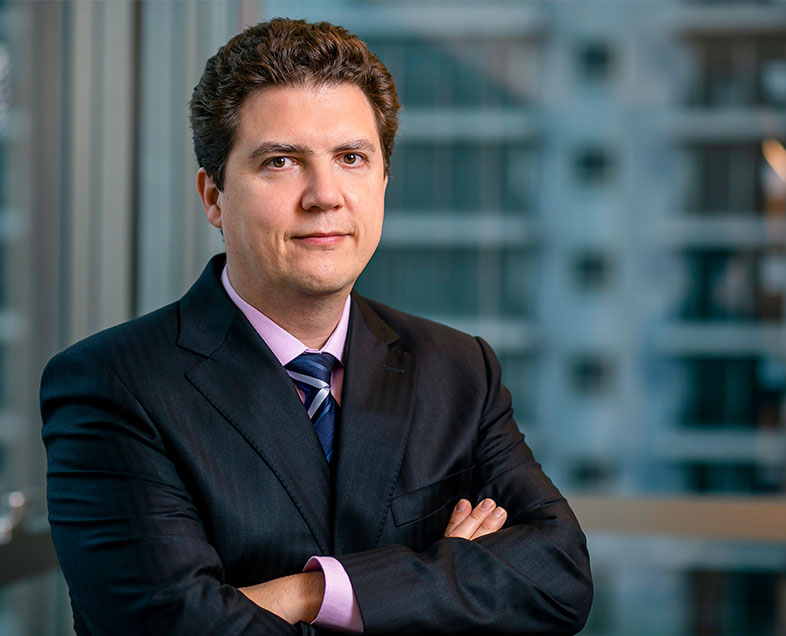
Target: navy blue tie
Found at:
311, 373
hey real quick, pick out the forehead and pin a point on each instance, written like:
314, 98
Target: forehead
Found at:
316, 115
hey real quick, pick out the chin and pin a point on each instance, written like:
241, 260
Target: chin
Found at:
324, 281
325, 287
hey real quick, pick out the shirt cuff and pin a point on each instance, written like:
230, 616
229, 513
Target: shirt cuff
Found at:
339, 610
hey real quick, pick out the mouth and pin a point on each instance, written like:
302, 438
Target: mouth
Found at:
321, 239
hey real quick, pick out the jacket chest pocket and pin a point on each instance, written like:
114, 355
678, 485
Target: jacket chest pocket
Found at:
421, 515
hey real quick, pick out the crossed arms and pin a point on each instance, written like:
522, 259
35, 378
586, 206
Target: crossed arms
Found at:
134, 546
298, 597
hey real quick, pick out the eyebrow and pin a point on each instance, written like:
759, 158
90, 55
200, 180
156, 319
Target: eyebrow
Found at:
276, 148
357, 144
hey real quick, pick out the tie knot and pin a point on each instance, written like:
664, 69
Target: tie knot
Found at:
315, 365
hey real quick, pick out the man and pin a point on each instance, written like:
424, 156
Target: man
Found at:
200, 456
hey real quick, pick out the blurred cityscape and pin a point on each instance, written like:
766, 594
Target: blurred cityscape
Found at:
597, 187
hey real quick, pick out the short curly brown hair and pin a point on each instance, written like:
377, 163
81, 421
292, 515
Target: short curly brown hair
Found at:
284, 52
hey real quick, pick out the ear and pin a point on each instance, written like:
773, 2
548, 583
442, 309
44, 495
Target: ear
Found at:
210, 196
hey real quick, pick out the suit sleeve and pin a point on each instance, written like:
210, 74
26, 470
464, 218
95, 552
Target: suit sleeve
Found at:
127, 533
531, 577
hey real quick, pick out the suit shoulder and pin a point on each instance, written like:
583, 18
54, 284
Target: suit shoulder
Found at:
416, 332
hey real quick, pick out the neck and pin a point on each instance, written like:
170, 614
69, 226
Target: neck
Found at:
310, 322
310, 318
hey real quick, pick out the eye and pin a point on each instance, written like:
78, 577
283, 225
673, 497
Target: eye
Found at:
278, 162
351, 158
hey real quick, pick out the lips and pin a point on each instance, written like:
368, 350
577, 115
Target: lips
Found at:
321, 238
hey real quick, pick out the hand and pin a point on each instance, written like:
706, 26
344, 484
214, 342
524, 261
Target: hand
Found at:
469, 523
293, 598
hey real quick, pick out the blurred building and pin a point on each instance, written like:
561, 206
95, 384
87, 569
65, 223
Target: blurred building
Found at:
598, 188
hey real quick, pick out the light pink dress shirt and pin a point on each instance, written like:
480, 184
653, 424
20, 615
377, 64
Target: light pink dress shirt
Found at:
339, 609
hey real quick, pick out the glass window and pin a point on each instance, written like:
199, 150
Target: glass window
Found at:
594, 61
734, 285
593, 166
734, 391
592, 270
520, 376
465, 72
596, 474
738, 70
733, 478
591, 374
737, 178
459, 281
735, 602
462, 176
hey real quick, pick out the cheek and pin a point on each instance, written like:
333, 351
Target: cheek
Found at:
377, 228
373, 233
253, 223
373, 205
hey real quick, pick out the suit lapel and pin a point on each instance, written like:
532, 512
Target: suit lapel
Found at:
377, 401
244, 381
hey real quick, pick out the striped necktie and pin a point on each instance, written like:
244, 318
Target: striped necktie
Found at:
311, 373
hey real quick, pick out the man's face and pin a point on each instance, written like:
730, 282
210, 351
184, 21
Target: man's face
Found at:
304, 188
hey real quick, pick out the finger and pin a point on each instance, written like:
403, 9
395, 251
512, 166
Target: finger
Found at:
460, 512
469, 526
491, 524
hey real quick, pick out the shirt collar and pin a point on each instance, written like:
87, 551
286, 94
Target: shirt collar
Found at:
282, 343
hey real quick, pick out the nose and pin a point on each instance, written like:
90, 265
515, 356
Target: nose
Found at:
322, 191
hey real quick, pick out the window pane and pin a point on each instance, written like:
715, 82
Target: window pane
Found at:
462, 177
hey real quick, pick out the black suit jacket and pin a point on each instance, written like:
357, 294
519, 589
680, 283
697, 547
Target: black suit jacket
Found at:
182, 465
